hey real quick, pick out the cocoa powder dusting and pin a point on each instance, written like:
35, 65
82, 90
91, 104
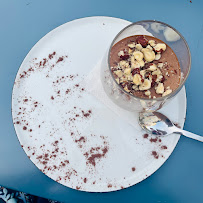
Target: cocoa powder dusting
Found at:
109, 185
81, 139
52, 55
94, 154
86, 114
153, 140
155, 154
164, 147
59, 59
44, 63
67, 91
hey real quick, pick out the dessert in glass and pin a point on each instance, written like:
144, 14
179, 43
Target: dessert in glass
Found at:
146, 65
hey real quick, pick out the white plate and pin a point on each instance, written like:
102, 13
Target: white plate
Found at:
105, 159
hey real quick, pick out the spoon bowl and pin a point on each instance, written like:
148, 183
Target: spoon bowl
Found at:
158, 124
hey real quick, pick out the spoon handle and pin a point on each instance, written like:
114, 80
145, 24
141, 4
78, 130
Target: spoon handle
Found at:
190, 135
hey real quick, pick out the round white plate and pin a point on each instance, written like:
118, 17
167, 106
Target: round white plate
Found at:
67, 133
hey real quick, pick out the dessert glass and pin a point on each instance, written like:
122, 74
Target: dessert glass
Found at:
159, 30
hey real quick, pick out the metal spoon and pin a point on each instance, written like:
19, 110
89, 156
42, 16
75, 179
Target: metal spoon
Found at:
158, 124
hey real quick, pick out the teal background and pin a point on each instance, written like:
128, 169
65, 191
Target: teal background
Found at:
24, 22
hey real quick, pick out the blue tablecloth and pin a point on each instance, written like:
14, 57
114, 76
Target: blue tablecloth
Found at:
24, 22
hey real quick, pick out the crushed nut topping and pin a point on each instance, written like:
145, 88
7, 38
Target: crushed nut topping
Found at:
139, 68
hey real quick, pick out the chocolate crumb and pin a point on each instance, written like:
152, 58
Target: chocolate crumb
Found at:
95, 154
66, 161
155, 154
133, 168
52, 97
145, 136
39, 157
24, 128
153, 140
67, 91
164, 147
85, 180
52, 55
80, 139
87, 114
109, 185
59, 59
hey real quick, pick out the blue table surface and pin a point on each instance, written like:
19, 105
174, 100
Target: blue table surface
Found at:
24, 22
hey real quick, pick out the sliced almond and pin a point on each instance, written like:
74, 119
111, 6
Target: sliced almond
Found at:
135, 87
135, 65
126, 89
121, 53
127, 71
123, 79
153, 67
157, 57
149, 47
119, 73
147, 93
130, 51
152, 43
166, 92
129, 77
159, 78
142, 73
137, 79
117, 80
138, 46
124, 64
148, 55
132, 59
160, 88
160, 65
138, 55
131, 45
141, 63
145, 85
160, 47
157, 72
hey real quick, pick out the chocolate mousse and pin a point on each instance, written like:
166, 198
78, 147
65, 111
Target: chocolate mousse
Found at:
145, 66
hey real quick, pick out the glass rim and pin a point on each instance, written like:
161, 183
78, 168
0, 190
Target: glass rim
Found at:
159, 98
